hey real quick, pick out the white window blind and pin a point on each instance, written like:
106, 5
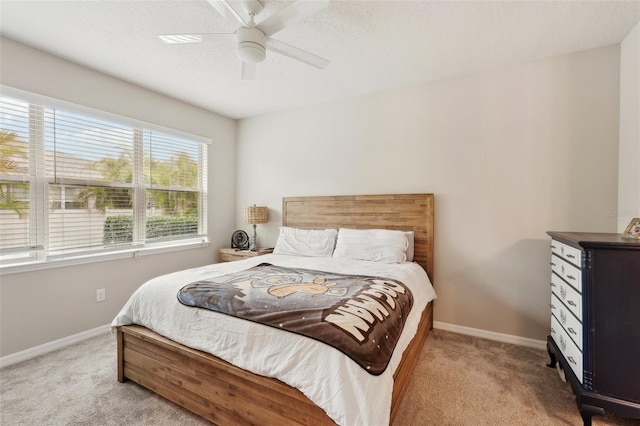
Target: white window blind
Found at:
75, 182
173, 185
16, 236
89, 170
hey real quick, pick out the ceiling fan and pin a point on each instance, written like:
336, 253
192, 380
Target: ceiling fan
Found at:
253, 40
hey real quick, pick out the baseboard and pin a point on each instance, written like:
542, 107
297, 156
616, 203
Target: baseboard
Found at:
30, 353
491, 335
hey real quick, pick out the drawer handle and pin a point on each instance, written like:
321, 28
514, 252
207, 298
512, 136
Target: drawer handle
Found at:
552, 330
572, 331
570, 256
571, 277
571, 302
552, 246
553, 284
571, 360
551, 305
552, 264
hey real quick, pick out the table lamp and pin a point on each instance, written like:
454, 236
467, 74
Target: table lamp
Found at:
254, 215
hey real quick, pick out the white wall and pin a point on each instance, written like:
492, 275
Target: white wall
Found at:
629, 154
509, 154
43, 306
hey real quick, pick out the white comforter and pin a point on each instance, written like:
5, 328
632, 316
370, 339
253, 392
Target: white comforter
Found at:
348, 394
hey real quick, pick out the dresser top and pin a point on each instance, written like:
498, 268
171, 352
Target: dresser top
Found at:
594, 239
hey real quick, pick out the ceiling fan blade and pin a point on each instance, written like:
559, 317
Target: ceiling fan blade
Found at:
295, 53
225, 9
295, 12
248, 71
190, 38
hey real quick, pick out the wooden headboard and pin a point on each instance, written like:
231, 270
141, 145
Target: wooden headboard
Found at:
405, 212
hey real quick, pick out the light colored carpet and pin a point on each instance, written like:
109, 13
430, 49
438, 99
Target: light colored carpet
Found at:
459, 380
463, 380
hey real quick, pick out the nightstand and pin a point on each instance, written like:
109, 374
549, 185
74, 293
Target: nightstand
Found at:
229, 254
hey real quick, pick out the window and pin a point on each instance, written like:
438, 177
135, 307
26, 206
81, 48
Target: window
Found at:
74, 182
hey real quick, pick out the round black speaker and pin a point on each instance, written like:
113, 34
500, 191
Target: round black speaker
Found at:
240, 240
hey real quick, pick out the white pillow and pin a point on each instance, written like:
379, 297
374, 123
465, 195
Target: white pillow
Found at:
306, 242
378, 245
410, 247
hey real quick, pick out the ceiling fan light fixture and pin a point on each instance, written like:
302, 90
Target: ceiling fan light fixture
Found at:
251, 44
251, 52
251, 39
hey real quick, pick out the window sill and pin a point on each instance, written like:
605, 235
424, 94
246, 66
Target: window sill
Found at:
99, 257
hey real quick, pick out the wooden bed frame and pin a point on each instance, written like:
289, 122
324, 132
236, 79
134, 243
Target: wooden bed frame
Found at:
227, 395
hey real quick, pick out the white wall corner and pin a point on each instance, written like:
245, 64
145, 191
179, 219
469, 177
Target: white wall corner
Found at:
629, 142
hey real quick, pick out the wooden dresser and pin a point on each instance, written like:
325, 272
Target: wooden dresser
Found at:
595, 320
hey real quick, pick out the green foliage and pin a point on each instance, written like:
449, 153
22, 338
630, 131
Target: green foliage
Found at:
179, 203
180, 171
119, 229
168, 226
12, 148
9, 201
117, 170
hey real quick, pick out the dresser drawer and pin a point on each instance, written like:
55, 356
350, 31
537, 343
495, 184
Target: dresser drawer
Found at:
230, 257
568, 295
567, 271
568, 253
571, 325
569, 349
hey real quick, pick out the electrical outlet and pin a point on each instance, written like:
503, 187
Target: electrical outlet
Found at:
101, 295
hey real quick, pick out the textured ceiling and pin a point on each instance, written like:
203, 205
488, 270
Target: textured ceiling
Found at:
372, 45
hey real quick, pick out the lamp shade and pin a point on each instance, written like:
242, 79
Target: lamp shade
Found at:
255, 214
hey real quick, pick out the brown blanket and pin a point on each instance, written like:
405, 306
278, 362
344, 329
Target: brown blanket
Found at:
361, 316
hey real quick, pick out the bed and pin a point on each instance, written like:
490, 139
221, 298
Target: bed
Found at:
226, 394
